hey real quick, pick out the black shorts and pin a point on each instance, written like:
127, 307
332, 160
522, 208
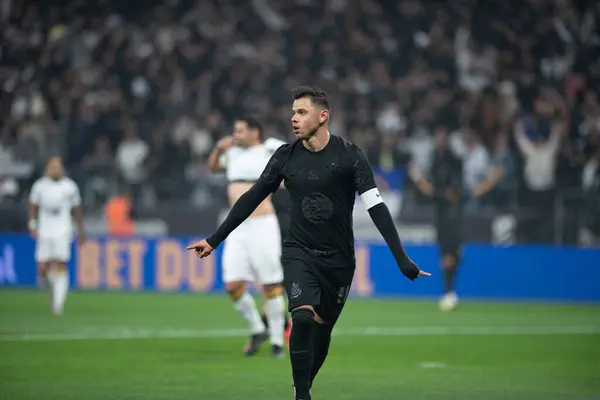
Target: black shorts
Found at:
318, 281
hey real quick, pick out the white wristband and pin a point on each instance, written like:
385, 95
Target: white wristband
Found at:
32, 224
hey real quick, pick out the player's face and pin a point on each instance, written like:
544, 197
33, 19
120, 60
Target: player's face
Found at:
306, 118
242, 135
55, 168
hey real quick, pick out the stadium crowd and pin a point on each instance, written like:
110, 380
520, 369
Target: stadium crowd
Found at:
139, 91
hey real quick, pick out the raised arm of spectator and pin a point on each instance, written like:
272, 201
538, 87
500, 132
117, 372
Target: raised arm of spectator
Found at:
525, 145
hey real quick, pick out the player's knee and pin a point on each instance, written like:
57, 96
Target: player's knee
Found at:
61, 267
235, 290
314, 316
43, 268
303, 318
449, 261
272, 291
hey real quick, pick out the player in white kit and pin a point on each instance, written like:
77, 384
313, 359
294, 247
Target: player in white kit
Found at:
252, 252
53, 201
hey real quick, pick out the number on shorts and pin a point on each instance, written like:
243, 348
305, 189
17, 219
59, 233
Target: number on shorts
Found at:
343, 294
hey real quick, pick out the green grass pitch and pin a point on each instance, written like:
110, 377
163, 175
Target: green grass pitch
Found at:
163, 346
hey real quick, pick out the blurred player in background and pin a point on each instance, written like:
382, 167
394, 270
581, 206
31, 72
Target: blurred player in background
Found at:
281, 202
53, 201
252, 252
444, 185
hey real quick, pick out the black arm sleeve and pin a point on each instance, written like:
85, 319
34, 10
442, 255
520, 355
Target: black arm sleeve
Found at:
267, 183
384, 222
380, 214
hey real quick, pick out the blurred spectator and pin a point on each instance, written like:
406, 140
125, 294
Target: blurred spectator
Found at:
166, 164
591, 173
476, 162
421, 148
9, 189
591, 186
131, 157
100, 173
539, 140
386, 156
73, 71
118, 213
501, 180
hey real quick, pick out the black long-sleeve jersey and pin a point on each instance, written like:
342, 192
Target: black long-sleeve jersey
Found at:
322, 187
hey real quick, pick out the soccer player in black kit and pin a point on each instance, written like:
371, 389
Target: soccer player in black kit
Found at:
444, 184
322, 173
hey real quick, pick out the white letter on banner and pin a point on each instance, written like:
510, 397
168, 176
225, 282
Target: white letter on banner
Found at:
7, 266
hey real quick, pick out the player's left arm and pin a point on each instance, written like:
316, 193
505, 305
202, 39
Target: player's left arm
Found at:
272, 144
77, 212
380, 214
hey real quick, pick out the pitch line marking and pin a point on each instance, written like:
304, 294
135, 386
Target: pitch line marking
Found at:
125, 333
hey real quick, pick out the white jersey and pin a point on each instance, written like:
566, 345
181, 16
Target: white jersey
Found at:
245, 164
55, 200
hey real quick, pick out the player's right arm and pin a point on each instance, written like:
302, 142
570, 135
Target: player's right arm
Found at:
34, 201
267, 183
215, 158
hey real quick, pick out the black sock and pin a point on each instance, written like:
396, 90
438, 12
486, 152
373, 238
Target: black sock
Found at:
265, 321
321, 341
301, 350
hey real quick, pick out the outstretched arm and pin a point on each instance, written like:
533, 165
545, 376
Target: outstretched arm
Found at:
380, 214
267, 183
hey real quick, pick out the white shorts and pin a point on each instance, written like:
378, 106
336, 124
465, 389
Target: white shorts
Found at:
53, 249
252, 252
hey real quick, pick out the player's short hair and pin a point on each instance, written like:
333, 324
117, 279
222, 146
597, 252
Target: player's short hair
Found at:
315, 94
253, 124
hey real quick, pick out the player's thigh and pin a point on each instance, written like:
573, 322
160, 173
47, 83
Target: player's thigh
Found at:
235, 261
265, 256
44, 250
62, 249
302, 286
336, 289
